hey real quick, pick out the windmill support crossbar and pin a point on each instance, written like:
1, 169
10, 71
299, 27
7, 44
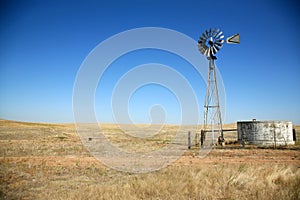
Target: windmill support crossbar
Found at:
223, 130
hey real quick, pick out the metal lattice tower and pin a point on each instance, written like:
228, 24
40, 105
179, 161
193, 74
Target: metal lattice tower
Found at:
210, 42
212, 114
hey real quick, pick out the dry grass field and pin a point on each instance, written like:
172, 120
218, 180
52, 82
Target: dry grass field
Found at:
48, 161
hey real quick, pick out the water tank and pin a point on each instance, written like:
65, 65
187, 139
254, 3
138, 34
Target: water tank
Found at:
265, 132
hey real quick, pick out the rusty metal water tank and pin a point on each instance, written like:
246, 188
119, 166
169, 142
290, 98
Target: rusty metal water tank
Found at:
265, 132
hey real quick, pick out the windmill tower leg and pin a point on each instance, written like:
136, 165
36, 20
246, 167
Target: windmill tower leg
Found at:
212, 125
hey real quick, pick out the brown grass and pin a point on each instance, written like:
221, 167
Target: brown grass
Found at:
48, 161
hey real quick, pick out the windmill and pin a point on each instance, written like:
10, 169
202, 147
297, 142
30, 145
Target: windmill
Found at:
210, 42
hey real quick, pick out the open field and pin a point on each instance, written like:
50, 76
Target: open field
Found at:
48, 161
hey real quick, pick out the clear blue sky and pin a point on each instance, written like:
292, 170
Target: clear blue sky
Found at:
43, 44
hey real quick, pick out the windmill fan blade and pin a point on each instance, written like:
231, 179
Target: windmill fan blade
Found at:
201, 49
216, 47
218, 44
216, 32
214, 50
210, 32
207, 52
202, 39
220, 41
219, 34
210, 52
206, 33
204, 53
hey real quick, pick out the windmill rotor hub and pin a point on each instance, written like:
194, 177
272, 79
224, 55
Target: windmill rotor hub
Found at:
210, 42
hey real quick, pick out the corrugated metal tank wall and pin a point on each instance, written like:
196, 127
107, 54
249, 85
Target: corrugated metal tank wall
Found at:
265, 132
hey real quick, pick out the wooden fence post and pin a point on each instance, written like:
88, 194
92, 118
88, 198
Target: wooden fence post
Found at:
189, 140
